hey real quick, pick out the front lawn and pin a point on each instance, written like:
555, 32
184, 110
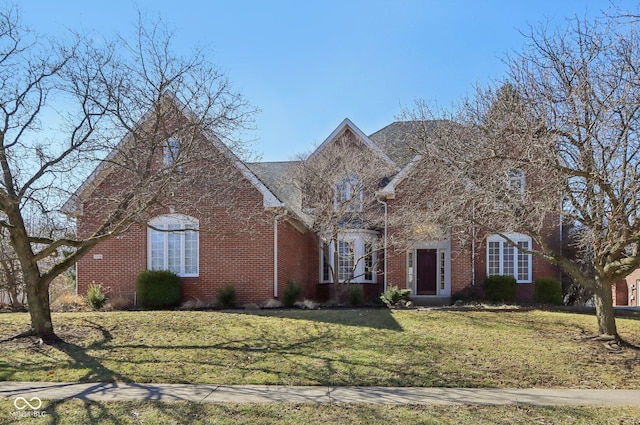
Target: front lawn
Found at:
73, 412
438, 348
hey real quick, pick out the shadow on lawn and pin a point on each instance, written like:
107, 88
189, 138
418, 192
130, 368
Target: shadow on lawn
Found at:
376, 318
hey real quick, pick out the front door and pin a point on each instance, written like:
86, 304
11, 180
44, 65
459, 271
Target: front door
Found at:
427, 272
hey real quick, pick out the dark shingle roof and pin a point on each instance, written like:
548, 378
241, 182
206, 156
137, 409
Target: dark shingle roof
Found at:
402, 140
279, 178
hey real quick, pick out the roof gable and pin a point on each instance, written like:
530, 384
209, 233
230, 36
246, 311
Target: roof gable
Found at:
345, 125
105, 167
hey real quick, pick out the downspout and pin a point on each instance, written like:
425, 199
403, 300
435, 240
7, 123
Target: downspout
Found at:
275, 256
386, 209
473, 245
277, 216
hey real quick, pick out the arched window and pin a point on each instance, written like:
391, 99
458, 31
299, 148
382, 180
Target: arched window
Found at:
173, 244
503, 258
348, 194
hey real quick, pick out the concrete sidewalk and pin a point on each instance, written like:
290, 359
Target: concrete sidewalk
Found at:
293, 394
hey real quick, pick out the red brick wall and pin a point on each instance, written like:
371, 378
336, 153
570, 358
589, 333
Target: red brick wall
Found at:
243, 259
462, 262
235, 238
293, 258
627, 291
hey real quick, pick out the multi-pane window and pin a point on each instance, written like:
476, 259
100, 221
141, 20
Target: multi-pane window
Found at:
174, 245
349, 194
356, 258
503, 258
346, 260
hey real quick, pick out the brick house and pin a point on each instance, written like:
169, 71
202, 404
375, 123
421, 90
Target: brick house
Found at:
266, 234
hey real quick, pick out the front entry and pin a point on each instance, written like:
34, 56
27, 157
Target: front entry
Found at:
427, 272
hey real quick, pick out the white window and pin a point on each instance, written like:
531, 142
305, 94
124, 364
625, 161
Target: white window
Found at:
173, 244
349, 194
505, 259
357, 258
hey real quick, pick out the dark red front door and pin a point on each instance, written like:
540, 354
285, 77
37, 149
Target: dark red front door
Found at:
426, 273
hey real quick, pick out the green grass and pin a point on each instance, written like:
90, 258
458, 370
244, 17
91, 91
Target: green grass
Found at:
379, 347
79, 412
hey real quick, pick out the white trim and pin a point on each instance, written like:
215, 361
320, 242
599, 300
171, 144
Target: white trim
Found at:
441, 247
359, 238
389, 191
275, 256
515, 238
346, 123
188, 223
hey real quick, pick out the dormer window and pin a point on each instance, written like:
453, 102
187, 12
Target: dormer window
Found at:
349, 194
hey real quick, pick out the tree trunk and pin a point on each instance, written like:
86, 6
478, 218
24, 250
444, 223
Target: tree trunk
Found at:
38, 303
605, 313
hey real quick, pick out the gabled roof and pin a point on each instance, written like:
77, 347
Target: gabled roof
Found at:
401, 140
347, 124
104, 168
389, 191
279, 178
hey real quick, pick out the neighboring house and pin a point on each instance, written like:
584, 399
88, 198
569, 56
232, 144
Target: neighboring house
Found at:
627, 291
270, 231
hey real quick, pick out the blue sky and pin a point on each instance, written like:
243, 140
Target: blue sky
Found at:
309, 64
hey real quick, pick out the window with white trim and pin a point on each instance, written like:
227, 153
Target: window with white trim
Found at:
349, 194
357, 260
507, 260
173, 244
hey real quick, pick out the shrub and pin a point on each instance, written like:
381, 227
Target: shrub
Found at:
547, 290
355, 295
158, 289
95, 296
226, 296
465, 295
118, 303
395, 296
291, 293
500, 288
69, 302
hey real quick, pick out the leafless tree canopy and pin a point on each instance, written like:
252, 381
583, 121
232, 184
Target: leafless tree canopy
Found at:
338, 184
111, 106
557, 138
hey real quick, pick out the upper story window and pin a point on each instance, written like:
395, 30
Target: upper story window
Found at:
171, 153
516, 181
173, 244
503, 258
349, 194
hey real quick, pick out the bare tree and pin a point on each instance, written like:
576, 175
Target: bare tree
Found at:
338, 184
558, 139
11, 282
114, 106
